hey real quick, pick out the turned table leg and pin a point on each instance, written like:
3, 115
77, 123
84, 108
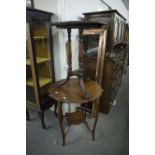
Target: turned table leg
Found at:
60, 120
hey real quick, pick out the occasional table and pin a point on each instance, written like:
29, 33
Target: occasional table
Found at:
77, 90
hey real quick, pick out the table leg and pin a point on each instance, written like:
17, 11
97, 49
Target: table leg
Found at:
41, 114
55, 109
27, 115
60, 120
96, 104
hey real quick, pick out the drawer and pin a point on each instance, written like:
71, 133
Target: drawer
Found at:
104, 19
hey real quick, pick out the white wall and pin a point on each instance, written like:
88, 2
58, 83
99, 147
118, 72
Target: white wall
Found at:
47, 5
75, 8
120, 7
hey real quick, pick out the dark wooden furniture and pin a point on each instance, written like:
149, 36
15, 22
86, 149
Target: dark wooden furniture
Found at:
116, 55
79, 90
79, 73
39, 61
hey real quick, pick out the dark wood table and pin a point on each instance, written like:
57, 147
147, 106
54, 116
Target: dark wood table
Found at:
76, 90
70, 92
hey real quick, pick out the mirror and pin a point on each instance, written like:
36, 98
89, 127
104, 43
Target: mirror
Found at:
91, 45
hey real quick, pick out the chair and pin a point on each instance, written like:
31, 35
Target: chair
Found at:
80, 90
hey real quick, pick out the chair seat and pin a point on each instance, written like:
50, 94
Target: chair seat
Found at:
72, 93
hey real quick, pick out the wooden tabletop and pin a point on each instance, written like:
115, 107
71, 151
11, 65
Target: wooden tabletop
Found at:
72, 93
77, 24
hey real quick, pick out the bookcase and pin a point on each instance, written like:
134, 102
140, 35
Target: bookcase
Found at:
39, 61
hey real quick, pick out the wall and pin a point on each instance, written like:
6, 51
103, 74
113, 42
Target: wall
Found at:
91, 5
47, 5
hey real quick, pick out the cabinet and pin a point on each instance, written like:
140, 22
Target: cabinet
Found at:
39, 60
116, 56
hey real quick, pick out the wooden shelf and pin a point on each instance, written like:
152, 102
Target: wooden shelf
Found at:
40, 37
39, 60
42, 81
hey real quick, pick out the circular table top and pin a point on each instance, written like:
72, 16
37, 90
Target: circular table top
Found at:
72, 93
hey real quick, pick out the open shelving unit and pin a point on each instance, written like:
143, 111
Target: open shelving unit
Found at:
39, 60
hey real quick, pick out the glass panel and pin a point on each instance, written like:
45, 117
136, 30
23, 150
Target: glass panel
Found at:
40, 37
91, 51
91, 45
41, 46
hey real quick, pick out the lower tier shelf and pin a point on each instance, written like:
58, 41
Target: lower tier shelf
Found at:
75, 118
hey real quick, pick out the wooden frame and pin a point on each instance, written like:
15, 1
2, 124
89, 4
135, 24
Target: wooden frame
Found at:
102, 32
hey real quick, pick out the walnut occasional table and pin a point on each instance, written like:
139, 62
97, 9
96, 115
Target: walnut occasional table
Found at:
76, 90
